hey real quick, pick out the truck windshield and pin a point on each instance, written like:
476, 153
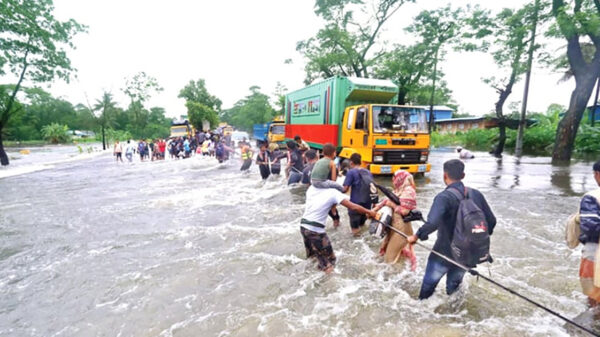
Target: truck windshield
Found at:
399, 119
277, 129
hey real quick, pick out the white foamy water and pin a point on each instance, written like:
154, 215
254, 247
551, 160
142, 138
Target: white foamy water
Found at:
194, 248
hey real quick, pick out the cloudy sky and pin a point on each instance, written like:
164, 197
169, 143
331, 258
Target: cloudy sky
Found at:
234, 44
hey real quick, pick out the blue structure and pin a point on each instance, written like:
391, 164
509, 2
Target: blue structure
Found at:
597, 115
439, 112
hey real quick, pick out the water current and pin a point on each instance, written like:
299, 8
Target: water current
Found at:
194, 248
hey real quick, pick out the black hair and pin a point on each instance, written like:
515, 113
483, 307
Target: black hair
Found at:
356, 159
455, 169
297, 137
328, 149
310, 154
597, 166
291, 145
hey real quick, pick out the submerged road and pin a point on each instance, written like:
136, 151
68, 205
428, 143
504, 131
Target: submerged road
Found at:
194, 248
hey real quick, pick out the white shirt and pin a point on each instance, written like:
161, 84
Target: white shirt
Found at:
465, 154
318, 204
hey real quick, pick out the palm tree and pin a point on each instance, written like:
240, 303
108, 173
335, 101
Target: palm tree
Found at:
106, 106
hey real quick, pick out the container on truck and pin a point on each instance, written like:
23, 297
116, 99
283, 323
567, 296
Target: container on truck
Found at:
358, 115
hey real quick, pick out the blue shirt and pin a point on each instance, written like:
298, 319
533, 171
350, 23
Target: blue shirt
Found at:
354, 180
442, 217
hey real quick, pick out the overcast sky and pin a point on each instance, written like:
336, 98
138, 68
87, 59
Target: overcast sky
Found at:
234, 44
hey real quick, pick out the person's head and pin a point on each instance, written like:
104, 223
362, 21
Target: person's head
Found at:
344, 166
597, 172
291, 145
273, 147
311, 156
329, 150
454, 170
128, 141
263, 146
401, 179
297, 139
355, 160
117, 141
458, 149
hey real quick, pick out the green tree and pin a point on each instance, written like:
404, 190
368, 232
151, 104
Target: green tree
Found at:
139, 88
106, 106
512, 31
280, 91
253, 109
198, 113
56, 133
200, 104
33, 46
578, 23
344, 46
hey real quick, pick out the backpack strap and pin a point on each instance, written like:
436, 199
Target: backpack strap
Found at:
457, 194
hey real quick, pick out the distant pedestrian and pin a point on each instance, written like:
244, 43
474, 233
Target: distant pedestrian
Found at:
275, 155
142, 149
295, 163
262, 160
129, 151
464, 153
118, 151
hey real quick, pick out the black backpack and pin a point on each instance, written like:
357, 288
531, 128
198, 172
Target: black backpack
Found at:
471, 241
368, 190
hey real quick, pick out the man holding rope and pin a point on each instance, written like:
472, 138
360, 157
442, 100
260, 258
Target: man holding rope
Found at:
442, 217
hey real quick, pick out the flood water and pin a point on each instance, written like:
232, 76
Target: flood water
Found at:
194, 248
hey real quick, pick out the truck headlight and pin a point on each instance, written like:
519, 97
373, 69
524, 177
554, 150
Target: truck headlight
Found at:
424, 156
378, 159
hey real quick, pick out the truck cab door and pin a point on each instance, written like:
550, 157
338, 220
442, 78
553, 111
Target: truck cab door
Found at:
355, 128
348, 127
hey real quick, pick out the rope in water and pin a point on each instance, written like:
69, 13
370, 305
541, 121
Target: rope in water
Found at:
476, 273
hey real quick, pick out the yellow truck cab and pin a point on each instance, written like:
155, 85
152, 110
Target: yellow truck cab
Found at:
276, 134
388, 137
357, 115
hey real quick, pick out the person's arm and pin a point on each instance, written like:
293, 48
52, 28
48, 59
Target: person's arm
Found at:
333, 170
434, 218
358, 208
348, 181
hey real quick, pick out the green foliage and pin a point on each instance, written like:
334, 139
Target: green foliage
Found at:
253, 109
120, 135
198, 112
201, 105
588, 139
343, 46
33, 44
140, 87
56, 133
197, 92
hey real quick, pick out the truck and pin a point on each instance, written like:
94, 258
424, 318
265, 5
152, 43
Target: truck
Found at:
358, 115
273, 131
182, 129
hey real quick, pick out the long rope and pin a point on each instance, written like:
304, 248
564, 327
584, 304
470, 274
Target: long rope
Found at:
476, 273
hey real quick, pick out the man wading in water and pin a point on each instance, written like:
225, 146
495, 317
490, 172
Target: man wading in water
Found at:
312, 226
442, 217
589, 217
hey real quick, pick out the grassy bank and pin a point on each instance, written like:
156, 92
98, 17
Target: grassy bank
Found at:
538, 140
25, 143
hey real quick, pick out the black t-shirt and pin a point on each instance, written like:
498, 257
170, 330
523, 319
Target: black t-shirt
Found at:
296, 160
306, 173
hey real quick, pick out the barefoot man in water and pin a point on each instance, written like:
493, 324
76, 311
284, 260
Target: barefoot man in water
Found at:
312, 226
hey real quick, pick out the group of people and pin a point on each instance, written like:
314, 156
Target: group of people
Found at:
211, 143
324, 196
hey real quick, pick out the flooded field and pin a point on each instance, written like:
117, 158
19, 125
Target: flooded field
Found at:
194, 248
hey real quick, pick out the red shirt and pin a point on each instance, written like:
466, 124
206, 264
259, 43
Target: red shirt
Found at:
161, 146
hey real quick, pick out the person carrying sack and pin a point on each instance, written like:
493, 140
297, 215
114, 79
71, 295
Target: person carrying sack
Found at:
445, 217
589, 228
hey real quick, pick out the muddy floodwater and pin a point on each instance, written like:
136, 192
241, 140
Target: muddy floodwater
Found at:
194, 248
